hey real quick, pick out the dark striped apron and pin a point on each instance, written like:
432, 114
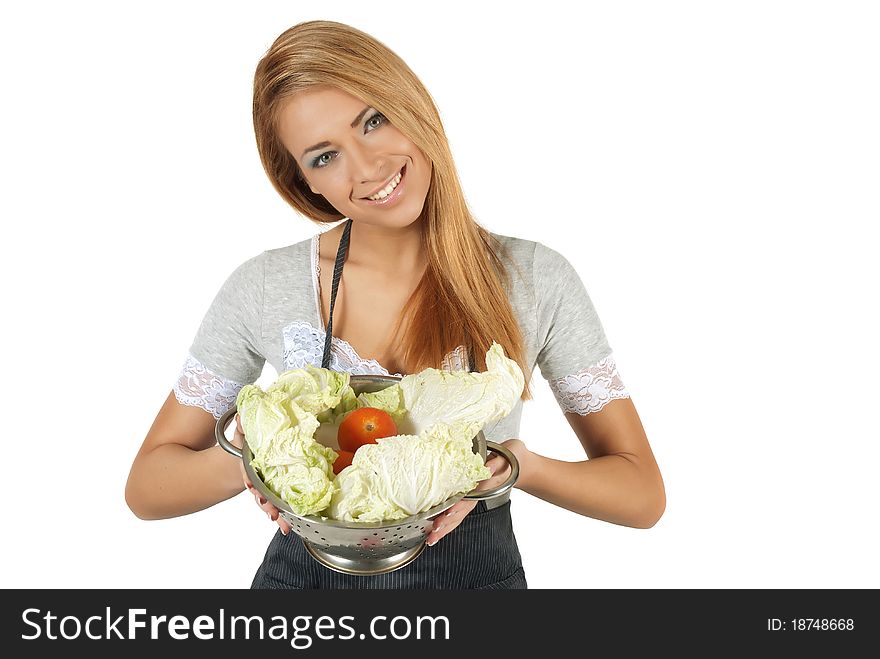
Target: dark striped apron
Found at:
480, 553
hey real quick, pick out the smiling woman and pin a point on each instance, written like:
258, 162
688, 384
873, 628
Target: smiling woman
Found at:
346, 131
337, 115
365, 168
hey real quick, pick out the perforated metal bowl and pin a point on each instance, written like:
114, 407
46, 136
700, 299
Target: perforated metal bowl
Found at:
360, 548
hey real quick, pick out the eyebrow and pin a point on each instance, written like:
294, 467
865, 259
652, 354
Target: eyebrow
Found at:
321, 145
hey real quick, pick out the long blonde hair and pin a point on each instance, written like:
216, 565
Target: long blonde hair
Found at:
460, 299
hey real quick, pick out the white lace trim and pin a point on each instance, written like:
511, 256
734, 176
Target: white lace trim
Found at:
199, 387
590, 389
304, 344
457, 360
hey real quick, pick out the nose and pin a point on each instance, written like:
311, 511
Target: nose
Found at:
367, 166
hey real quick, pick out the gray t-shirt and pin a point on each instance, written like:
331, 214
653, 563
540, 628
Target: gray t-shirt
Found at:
268, 310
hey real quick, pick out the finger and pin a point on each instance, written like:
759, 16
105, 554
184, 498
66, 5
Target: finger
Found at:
500, 470
497, 464
442, 530
495, 481
266, 506
461, 509
275, 515
443, 518
271, 511
261, 500
438, 532
449, 520
439, 521
491, 482
238, 427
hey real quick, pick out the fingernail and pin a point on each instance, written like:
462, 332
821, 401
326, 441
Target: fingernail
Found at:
283, 532
431, 544
262, 501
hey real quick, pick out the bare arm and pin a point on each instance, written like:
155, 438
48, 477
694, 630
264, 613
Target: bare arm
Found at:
620, 483
180, 469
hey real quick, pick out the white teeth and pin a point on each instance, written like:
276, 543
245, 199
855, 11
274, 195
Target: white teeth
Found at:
387, 190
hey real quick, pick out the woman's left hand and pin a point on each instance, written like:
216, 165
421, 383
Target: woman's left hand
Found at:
448, 520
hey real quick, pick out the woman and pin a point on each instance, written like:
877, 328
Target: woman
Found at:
346, 131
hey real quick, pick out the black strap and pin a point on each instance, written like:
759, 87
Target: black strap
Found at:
341, 252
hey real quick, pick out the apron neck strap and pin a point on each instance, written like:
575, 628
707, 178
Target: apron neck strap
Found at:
341, 253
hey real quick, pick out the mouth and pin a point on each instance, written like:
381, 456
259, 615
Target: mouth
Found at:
390, 192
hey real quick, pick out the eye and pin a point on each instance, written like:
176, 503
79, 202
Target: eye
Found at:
375, 121
323, 160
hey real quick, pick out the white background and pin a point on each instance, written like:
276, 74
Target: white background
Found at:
711, 169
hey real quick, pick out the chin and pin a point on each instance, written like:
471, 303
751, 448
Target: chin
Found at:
400, 222
397, 218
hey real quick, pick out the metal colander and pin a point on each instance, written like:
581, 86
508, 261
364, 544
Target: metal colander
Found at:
356, 547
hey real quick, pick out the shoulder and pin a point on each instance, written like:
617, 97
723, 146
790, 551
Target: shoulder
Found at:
287, 255
535, 259
279, 261
517, 254
519, 250
249, 277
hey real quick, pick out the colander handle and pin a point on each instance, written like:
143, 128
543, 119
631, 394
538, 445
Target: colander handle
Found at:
507, 485
220, 432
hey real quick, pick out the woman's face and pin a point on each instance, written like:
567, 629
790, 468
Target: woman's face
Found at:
349, 152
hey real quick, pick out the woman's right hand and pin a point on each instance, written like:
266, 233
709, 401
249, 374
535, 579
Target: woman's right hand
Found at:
264, 505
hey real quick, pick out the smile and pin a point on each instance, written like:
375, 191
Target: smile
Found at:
390, 192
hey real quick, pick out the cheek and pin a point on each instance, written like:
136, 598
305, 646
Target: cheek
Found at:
401, 144
420, 158
334, 184
424, 166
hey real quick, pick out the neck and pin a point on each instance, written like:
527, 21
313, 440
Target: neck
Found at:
390, 250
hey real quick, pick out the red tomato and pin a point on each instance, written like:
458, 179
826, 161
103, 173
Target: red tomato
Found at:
344, 459
364, 426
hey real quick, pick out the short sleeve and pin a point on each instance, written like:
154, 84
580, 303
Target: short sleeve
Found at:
573, 352
227, 351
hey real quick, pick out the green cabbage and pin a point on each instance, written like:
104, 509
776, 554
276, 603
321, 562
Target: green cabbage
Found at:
280, 425
314, 389
406, 474
437, 413
465, 401
389, 399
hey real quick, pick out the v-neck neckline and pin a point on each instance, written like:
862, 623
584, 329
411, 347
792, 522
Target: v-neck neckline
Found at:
316, 289
316, 281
